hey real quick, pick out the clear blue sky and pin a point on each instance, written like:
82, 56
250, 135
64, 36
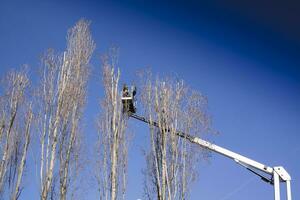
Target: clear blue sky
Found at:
244, 57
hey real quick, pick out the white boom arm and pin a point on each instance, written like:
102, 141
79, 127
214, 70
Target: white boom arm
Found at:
278, 174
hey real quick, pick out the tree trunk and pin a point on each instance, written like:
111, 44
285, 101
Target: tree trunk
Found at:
23, 159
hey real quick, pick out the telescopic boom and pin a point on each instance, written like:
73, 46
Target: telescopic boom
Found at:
278, 174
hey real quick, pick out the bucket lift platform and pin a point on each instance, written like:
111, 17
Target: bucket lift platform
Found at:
128, 99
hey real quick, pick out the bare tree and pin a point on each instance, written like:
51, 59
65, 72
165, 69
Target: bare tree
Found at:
78, 54
15, 123
112, 123
171, 161
63, 94
49, 95
25, 139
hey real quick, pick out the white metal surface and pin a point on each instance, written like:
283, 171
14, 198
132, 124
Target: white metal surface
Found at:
276, 186
288, 190
282, 173
279, 174
234, 156
127, 98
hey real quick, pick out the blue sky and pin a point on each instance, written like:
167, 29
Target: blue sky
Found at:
244, 57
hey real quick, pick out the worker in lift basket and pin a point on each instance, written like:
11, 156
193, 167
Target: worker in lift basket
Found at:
125, 91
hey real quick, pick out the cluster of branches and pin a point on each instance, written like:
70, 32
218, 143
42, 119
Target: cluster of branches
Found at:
15, 128
62, 96
57, 112
112, 123
171, 160
58, 108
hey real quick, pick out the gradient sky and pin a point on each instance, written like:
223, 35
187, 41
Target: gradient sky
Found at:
244, 57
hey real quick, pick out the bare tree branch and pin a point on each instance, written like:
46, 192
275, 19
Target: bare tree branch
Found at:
113, 141
16, 119
63, 95
170, 161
